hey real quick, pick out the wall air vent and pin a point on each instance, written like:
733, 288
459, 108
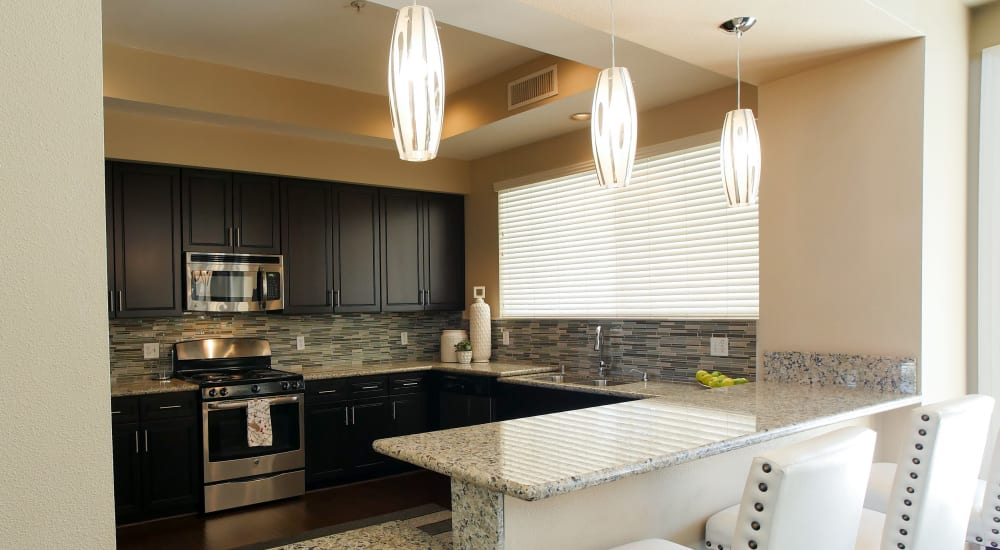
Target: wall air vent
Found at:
533, 88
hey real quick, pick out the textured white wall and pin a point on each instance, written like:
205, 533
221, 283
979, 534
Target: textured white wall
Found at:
56, 486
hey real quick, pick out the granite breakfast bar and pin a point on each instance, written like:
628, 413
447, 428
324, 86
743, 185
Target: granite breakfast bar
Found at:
597, 477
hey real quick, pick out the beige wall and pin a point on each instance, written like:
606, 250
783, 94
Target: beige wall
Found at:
984, 27
840, 204
142, 137
686, 118
56, 428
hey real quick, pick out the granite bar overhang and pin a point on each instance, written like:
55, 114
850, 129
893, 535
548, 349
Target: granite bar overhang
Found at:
543, 456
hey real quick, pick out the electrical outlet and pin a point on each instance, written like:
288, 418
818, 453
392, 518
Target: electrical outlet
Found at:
719, 346
403, 339
151, 351
300, 343
506, 337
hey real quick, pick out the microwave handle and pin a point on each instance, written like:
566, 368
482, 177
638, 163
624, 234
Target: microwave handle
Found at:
262, 281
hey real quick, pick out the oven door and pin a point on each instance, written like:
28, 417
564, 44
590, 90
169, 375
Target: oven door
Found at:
233, 282
224, 439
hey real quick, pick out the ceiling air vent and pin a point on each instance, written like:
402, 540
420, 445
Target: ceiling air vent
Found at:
532, 88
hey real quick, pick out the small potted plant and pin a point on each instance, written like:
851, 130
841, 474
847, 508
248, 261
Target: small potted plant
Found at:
463, 350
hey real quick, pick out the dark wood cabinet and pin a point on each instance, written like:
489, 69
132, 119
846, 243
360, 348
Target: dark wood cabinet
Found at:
409, 414
145, 219
307, 233
423, 251
520, 401
327, 441
370, 420
227, 212
464, 400
356, 259
157, 458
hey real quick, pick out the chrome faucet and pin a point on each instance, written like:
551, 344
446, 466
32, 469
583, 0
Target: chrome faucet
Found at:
602, 366
597, 338
645, 375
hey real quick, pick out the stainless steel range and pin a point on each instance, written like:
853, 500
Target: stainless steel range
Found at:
234, 374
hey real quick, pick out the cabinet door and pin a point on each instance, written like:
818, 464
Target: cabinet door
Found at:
328, 447
256, 214
127, 460
369, 421
402, 250
147, 237
409, 414
207, 210
357, 283
307, 234
453, 410
172, 481
445, 252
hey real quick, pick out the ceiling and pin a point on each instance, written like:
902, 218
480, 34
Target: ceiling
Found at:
672, 48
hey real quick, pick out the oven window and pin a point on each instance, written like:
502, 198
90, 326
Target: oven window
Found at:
227, 433
224, 286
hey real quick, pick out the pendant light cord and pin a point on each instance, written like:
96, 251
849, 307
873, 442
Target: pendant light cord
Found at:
612, 33
739, 34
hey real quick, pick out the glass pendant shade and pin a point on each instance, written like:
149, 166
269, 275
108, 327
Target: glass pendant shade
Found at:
740, 152
416, 84
613, 127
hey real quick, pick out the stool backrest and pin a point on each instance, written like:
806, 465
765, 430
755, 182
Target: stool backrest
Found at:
807, 495
988, 527
936, 475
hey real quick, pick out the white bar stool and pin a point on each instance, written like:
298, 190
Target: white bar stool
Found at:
790, 487
932, 489
951, 437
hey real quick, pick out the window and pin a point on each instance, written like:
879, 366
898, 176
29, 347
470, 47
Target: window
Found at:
664, 247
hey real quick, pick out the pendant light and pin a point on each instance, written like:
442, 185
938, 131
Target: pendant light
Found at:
613, 122
740, 146
416, 84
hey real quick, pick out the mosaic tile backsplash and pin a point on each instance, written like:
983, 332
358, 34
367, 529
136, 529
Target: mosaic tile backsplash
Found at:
873, 372
345, 337
668, 350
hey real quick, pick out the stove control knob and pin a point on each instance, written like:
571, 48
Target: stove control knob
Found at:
223, 392
295, 385
211, 392
284, 385
255, 388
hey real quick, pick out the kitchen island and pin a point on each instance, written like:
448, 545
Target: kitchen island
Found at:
597, 477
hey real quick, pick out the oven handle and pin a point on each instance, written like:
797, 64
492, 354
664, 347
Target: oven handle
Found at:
262, 279
243, 404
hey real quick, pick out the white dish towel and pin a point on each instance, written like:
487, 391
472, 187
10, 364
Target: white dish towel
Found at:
259, 423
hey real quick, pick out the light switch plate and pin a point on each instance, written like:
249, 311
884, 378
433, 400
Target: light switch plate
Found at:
151, 350
506, 337
719, 346
300, 343
403, 338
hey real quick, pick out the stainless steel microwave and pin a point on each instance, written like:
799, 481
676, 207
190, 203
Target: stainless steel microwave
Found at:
234, 282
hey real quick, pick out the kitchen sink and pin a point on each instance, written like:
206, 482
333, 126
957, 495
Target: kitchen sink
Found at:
563, 379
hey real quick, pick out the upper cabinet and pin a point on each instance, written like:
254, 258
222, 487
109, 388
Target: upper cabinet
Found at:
423, 251
356, 262
227, 212
307, 232
144, 277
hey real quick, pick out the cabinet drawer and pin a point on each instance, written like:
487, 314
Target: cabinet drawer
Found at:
369, 386
331, 389
124, 409
407, 383
168, 405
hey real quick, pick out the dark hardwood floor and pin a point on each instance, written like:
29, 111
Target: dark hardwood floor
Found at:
230, 529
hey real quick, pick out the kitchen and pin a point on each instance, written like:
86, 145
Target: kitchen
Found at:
895, 315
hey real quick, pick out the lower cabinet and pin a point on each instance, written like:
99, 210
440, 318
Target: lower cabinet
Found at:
465, 400
345, 416
157, 460
520, 401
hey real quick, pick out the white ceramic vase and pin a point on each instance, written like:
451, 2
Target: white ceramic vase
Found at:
448, 340
479, 326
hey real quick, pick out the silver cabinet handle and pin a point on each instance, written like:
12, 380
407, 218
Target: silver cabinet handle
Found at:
165, 407
145, 436
369, 387
116, 412
408, 384
229, 236
427, 297
137, 442
393, 410
238, 242
354, 419
336, 298
324, 392
346, 423
121, 300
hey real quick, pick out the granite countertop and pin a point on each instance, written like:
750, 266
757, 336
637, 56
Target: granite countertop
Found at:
543, 456
345, 370
148, 385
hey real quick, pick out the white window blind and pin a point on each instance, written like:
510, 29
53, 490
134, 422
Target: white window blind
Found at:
664, 247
